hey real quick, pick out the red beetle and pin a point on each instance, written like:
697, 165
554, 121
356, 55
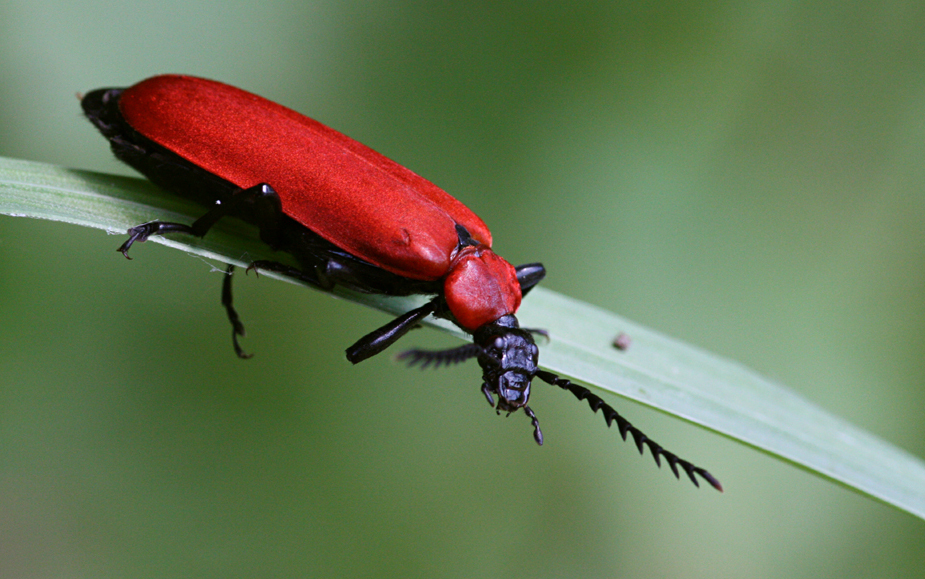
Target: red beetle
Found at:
348, 215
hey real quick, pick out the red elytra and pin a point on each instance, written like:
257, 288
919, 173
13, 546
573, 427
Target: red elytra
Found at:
349, 216
342, 190
339, 188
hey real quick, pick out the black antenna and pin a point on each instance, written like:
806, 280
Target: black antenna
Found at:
440, 357
623, 425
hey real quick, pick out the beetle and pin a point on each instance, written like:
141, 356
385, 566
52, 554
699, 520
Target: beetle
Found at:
349, 217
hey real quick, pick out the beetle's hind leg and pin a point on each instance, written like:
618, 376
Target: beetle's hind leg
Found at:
266, 207
237, 327
266, 211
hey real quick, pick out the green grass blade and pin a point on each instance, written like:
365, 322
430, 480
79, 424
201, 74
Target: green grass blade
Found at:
657, 371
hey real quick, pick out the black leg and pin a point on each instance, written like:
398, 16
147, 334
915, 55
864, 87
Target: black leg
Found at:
378, 340
537, 433
237, 328
268, 212
265, 199
326, 277
142, 232
529, 275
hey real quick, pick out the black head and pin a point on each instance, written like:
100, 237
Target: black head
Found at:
508, 357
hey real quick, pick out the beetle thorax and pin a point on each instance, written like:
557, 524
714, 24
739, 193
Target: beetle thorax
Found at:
480, 287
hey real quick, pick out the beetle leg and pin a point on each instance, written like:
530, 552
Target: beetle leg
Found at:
373, 342
263, 196
237, 328
538, 332
537, 433
378, 340
486, 390
529, 275
142, 232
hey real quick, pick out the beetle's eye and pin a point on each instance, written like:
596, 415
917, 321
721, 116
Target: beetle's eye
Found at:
499, 342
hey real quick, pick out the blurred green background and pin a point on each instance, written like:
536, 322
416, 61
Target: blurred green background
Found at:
748, 178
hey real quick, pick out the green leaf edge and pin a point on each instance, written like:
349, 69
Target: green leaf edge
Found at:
657, 371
